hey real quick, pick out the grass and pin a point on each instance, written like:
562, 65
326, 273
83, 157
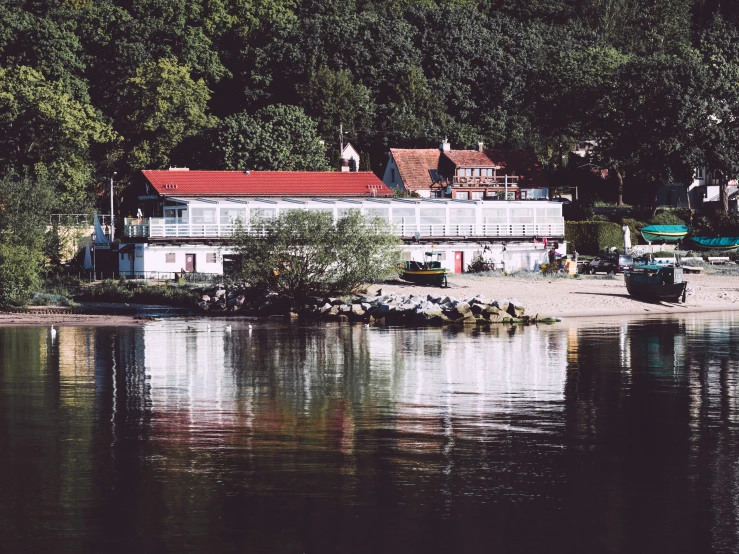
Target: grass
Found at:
139, 293
534, 275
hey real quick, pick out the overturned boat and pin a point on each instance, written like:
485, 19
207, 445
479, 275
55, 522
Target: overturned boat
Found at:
714, 243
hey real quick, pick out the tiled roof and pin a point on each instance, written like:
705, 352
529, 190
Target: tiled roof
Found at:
518, 162
266, 183
469, 158
414, 164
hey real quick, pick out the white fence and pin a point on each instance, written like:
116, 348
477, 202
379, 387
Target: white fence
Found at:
158, 228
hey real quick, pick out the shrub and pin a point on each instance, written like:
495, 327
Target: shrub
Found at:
591, 237
20, 268
667, 218
304, 253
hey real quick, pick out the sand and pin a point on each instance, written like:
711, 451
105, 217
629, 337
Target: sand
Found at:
588, 296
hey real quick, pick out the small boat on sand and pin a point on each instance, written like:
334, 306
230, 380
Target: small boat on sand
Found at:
666, 233
715, 243
656, 282
428, 272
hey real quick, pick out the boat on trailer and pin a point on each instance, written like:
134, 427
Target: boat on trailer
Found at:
428, 272
666, 233
656, 282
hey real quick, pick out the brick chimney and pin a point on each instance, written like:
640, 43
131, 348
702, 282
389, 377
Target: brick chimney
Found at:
444, 146
344, 165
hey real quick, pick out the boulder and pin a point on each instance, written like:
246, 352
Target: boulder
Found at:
357, 309
205, 298
334, 310
326, 307
514, 311
345, 308
477, 309
203, 306
220, 292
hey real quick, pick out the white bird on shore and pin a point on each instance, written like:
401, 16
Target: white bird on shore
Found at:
228, 328
52, 332
208, 327
250, 327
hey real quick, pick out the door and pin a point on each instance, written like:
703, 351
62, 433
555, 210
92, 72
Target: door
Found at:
190, 263
458, 262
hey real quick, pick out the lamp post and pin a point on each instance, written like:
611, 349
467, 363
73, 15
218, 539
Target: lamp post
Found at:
112, 219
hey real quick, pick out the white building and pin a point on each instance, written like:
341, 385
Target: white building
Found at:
195, 214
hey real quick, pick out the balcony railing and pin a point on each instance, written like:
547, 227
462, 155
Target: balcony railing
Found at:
157, 228
497, 181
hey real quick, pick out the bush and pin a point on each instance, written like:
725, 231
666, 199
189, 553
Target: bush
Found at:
137, 293
20, 268
591, 237
303, 253
667, 218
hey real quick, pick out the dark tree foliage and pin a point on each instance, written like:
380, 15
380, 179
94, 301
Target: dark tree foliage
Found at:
91, 87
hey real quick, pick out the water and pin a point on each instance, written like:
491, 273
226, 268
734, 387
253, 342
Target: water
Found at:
609, 436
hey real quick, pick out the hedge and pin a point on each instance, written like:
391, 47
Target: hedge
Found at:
591, 237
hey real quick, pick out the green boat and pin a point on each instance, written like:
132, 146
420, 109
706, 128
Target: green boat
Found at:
715, 243
428, 272
666, 233
656, 282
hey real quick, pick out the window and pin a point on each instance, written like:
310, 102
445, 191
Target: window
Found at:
476, 195
404, 216
494, 215
392, 174
462, 195
210, 257
203, 215
230, 216
170, 258
522, 215
433, 216
174, 216
263, 213
477, 172
459, 216
382, 213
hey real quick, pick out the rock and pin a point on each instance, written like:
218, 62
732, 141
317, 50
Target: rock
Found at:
325, 308
514, 311
220, 292
334, 310
477, 309
204, 306
434, 298
357, 309
345, 308
366, 306
293, 315
205, 298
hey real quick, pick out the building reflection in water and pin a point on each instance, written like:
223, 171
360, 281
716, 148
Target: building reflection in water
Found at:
614, 436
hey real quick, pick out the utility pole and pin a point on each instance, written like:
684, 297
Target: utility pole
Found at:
112, 220
341, 138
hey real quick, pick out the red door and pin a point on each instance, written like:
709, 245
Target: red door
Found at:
189, 263
458, 262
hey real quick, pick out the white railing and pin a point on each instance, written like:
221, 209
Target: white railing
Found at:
157, 228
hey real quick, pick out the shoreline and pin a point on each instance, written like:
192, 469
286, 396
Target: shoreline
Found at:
582, 298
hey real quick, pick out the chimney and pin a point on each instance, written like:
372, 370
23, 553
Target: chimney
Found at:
480, 147
444, 146
344, 165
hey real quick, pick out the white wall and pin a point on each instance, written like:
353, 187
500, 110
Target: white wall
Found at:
150, 259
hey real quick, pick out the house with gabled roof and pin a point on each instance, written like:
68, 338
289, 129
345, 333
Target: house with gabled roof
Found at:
480, 174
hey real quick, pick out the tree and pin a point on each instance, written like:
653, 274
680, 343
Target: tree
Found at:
303, 253
165, 105
275, 138
43, 126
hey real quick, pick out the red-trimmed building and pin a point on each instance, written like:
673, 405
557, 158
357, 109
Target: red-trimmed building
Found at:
481, 174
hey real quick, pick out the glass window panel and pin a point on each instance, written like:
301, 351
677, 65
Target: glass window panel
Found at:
263, 213
494, 215
203, 215
462, 195
433, 216
405, 216
462, 216
522, 215
343, 212
382, 213
229, 216
477, 172
476, 195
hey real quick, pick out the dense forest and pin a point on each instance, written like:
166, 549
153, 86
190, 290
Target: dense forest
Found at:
92, 87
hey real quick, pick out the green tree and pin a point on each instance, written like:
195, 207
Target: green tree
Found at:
275, 138
302, 253
43, 127
164, 106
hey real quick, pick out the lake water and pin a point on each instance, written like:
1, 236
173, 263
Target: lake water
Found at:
596, 436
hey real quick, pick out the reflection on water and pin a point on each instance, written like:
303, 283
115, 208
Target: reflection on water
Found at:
608, 437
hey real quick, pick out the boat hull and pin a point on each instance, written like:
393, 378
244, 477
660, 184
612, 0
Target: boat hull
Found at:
654, 291
435, 277
666, 233
707, 243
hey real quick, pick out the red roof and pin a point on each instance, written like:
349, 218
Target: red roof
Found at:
414, 164
179, 182
469, 158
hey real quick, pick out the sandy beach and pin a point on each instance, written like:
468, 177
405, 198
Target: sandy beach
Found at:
588, 296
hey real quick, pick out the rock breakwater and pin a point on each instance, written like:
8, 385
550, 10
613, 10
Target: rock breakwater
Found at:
390, 309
